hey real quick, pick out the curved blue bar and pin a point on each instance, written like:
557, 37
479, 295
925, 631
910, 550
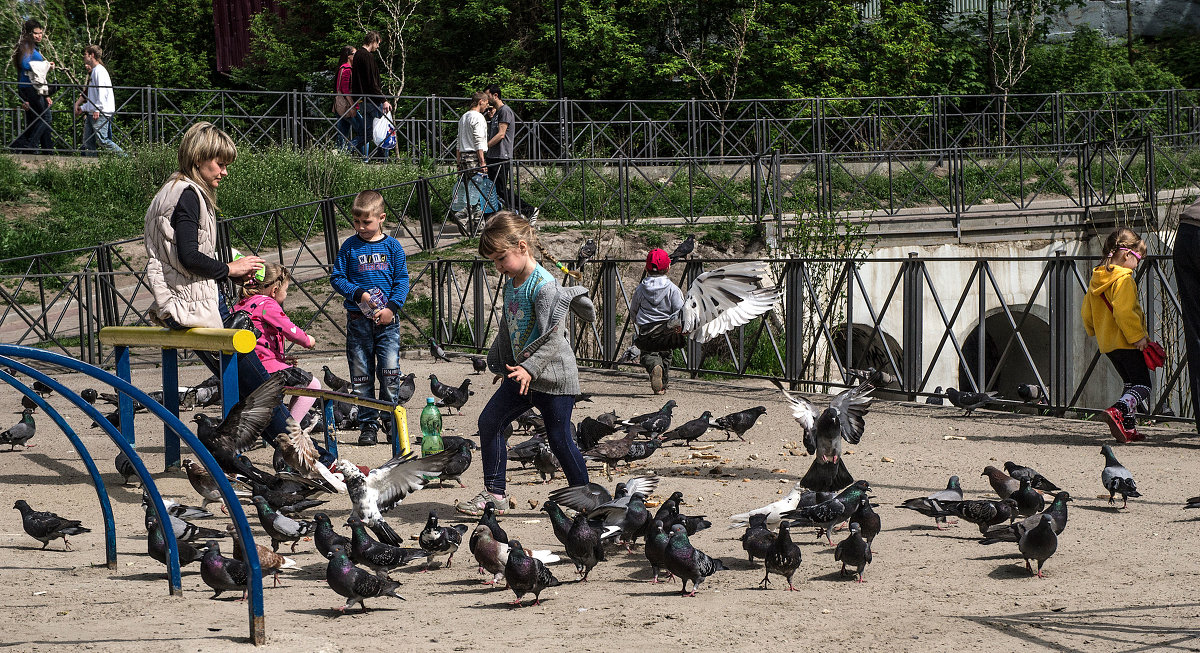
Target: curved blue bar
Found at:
110, 527
257, 624
173, 576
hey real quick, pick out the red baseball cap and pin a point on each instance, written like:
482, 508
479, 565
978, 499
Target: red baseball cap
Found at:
658, 261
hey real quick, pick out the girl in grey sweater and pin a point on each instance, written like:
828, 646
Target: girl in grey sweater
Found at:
531, 356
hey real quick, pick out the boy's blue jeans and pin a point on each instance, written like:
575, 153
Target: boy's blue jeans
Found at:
503, 408
373, 352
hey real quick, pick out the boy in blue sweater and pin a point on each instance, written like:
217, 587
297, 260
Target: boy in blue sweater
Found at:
370, 272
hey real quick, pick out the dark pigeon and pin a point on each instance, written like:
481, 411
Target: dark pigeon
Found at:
280, 527
325, 537
583, 545
288, 503
740, 422
758, 540
934, 504
241, 428
824, 432
1013, 532
545, 462
869, 523
456, 398
832, 512
479, 364
42, 389
783, 558
459, 461
984, 513
46, 526
1117, 479
408, 387
185, 531
687, 562
526, 574
653, 423
691, 430
488, 518
29, 404
125, 468
379, 557
1038, 481
656, 550
853, 551
610, 452
89, 395
936, 398
525, 452
438, 540
353, 583
223, 574
636, 521
558, 521
969, 401
21, 433
597, 503
1029, 501
586, 251
1039, 543
156, 545
590, 431
683, 249
335, 382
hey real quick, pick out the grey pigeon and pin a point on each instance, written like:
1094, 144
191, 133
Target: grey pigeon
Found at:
832, 512
1002, 483
524, 452
825, 431
596, 501
783, 559
936, 398
125, 468
583, 545
408, 387
586, 251
156, 545
933, 505
1038, 481
379, 557
1029, 501
21, 433
353, 583
687, 562
280, 527
640, 450
46, 526
853, 551
969, 401
386, 486
438, 540
437, 352
682, 250
545, 463
656, 550
325, 537
984, 513
740, 422
223, 574
335, 382
1039, 543
691, 430
1013, 532
526, 574
1117, 479
653, 423
758, 540
185, 531
631, 355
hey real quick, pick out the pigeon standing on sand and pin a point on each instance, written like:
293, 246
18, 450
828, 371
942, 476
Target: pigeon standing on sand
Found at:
1036, 480
437, 352
1029, 501
156, 545
47, 526
969, 401
459, 462
490, 554
825, 431
783, 558
656, 550
438, 540
853, 551
1039, 543
1013, 532
1002, 483
583, 545
379, 557
223, 574
933, 505
526, 574
21, 433
280, 527
691, 430
687, 562
353, 583
832, 512
772, 511
758, 540
868, 522
1117, 479
479, 364
455, 398
740, 422
125, 468
936, 398
325, 537
984, 513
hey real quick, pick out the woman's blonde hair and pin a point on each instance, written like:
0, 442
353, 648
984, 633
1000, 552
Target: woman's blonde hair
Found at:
273, 275
1122, 238
202, 143
505, 230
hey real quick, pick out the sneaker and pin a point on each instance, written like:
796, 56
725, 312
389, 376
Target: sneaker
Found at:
1135, 435
1116, 424
368, 437
656, 379
475, 506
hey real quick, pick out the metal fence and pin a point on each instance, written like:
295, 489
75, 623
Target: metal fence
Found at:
650, 129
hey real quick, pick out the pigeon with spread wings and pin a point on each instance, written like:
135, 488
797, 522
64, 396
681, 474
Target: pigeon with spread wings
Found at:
386, 486
720, 300
298, 451
240, 429
824, 432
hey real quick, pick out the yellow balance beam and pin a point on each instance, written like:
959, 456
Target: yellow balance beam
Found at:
399, 414
229, 341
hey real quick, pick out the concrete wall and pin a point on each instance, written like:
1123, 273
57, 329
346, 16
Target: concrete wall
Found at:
1150, 17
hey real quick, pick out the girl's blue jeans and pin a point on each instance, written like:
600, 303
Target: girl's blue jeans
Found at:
503, 408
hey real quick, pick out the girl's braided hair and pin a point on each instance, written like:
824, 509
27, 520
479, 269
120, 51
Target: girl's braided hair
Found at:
1123, 237
505, 229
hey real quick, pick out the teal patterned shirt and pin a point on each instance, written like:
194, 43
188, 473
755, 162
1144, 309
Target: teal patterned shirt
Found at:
518, 308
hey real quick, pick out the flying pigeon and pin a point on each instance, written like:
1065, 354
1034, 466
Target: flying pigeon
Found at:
386, 486
20, 434
853, 551
526, 574
1117, 479
687, 562
725, 298
296, 448
682, 250
740, 422
1039, 543
353, 583
223, 574
969, 401
438, 540
933, 505
46, 526
783, 558
825, 431
241, 428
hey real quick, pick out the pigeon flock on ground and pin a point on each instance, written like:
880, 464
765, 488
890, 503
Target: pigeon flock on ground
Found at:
296, 497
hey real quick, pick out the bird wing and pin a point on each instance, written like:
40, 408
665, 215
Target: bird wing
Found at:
852, 405
399, 477
298, 450
581, 498
726, 297
241, 428
805, 414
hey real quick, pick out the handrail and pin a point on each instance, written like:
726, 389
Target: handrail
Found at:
399, 439
229, 341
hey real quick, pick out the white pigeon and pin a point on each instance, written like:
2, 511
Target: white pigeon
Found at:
386, 486
297, 449
773, 511
725, 298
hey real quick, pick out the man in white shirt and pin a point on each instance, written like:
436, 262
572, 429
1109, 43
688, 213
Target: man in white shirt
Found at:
472, 135
97, 104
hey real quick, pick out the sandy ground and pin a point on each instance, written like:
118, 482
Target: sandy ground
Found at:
1121, 580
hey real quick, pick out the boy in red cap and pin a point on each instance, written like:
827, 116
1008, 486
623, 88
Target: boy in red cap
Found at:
655, 306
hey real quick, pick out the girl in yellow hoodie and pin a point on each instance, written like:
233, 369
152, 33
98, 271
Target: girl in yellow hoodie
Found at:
1112, 314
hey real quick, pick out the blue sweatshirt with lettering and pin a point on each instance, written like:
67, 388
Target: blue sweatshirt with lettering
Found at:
362, 266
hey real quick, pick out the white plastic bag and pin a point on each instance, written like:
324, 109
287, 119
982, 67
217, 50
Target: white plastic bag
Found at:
383, 132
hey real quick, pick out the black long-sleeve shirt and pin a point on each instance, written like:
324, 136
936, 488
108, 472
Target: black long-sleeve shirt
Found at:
365, 78
185, 220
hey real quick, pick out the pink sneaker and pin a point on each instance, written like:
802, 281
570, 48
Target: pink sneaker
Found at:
1116, 424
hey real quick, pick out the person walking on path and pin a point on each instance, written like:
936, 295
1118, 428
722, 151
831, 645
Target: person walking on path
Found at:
97, 104
33, 90
349, 124
502, 129
366, 86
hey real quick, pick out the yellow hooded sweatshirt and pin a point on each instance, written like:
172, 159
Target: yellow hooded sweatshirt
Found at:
1125, 324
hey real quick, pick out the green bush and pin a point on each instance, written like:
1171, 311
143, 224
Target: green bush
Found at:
12, 186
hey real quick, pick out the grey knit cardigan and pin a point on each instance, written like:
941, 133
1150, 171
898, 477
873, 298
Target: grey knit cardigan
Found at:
549, 359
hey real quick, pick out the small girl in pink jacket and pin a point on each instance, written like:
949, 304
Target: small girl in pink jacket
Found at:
262, 298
